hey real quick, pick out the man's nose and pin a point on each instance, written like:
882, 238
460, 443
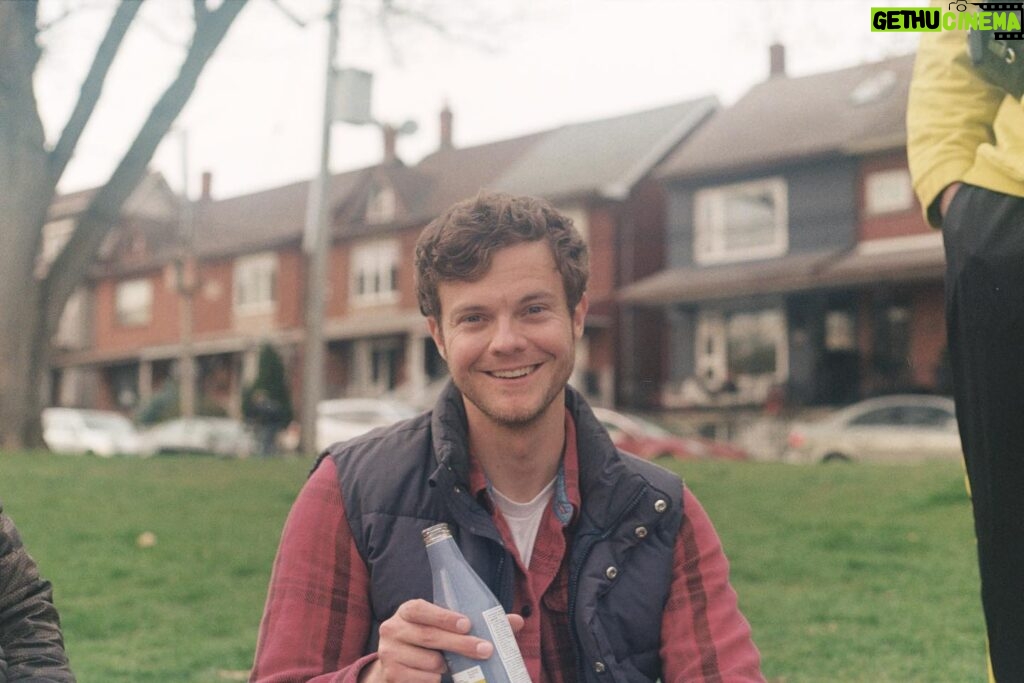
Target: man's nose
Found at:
508, 336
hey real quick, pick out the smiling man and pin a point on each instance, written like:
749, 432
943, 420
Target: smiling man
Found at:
608, 566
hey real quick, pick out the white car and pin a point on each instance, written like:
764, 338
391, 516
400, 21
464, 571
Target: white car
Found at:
98, 432
900, 428
209, 435
341, 419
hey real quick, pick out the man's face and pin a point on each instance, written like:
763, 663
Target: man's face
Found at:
509, 337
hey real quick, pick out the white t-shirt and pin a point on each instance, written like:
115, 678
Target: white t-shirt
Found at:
524, 518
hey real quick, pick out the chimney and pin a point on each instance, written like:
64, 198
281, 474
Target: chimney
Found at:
207, 183
446, 128
390, 143
776, 60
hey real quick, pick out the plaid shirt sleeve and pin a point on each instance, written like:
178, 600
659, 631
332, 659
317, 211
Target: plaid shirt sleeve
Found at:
704, 636
317, 617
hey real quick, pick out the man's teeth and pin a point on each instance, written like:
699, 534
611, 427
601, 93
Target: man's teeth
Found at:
512, 374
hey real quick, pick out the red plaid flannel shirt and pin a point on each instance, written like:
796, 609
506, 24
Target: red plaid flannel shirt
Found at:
317, 616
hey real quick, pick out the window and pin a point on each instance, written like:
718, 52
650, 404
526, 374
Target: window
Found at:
741, 222
380, 206
375, 273
888, 191
731, 346
255, 283
133, 302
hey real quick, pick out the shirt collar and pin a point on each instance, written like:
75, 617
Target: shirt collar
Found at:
566, 500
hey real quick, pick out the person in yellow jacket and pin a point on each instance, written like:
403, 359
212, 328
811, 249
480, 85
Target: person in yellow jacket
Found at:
965, 144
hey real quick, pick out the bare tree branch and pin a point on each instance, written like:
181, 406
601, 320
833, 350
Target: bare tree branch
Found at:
105, 206
92, 88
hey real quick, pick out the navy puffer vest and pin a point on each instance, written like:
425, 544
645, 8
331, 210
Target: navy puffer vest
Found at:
397, 481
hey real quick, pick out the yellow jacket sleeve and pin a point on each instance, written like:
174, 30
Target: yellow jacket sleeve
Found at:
950, 114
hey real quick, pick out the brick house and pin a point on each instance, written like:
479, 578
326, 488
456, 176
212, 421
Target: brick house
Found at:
798, 259
157, 295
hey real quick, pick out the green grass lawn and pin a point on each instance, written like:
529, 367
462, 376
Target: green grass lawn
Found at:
847, 573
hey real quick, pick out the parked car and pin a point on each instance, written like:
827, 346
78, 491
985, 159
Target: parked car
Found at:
900, 428
209, 435
97, 432
341, 419
647, 440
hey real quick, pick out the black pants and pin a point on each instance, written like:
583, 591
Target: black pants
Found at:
984, 240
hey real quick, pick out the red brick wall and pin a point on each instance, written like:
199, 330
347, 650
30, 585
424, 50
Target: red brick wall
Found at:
601, 241
163, 324
291, 279
909, 222
647, 215
928, 333
212, 308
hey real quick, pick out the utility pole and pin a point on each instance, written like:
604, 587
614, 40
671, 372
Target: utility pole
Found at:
186, 290
316, 243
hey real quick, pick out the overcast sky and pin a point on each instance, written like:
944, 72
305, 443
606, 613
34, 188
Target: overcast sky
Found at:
508, 68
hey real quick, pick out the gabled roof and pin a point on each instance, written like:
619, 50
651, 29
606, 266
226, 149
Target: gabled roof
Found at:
606, 157
460, 173
262, 219
850, 111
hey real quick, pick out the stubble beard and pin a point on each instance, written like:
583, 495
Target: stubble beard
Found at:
511, 419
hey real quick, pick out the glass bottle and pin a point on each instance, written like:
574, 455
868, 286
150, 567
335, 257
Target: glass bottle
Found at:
458, 588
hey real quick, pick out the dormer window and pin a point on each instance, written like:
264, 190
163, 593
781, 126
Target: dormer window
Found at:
380, 205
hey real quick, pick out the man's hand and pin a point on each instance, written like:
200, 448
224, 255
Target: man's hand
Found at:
411, 641
947, 198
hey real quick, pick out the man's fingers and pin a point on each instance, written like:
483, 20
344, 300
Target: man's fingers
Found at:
428, 614
425, 627
516, 622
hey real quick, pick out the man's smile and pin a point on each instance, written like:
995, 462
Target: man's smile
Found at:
514, 373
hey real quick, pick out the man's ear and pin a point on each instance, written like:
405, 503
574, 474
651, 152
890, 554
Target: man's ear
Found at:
438, 336
579, 316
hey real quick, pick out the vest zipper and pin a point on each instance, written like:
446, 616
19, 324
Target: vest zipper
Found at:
574, 577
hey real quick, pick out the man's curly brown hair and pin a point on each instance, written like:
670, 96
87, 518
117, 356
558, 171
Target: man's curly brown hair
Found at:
461, 242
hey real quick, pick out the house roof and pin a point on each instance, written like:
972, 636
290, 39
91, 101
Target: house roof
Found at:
605, 157
692, 284
857, 109
462, 172
262, 219
917, 258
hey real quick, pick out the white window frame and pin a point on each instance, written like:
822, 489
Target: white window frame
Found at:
711, 364
254, 283
133, 302
888, 191
376, 263
710, 231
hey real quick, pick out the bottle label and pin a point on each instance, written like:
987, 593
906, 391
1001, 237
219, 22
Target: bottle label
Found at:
505, 644
473, 674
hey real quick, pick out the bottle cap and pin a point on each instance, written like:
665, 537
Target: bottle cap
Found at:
438, 532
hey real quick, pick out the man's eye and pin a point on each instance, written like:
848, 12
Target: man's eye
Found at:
471, 319
533, 310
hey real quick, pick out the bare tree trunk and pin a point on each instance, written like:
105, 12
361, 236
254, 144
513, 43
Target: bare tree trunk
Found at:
23, 204
30, 309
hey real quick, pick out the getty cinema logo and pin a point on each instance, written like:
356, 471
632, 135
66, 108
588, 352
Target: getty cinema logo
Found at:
1003, 18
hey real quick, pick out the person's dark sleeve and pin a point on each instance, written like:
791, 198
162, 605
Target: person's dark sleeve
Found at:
31, 644
317, 618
